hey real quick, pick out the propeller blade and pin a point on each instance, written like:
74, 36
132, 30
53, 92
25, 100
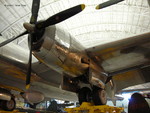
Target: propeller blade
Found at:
35, 10
11, 39
60, 16
28, 77
33, 20
108, 3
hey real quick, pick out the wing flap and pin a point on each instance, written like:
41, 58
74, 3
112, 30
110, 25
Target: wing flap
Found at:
132, 78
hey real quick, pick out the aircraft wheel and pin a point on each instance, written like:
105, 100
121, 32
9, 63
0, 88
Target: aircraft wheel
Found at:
99, 97
9, 105
84, 95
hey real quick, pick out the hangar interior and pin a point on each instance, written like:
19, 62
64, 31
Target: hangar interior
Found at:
91, 27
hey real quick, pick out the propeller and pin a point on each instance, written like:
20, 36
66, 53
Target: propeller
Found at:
60, 16
108, 3
33, 28
33, 20
13, 38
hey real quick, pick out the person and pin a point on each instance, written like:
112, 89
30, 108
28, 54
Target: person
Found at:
53, 106
138, 104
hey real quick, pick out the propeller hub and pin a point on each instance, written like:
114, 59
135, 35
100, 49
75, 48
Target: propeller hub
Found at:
29, 27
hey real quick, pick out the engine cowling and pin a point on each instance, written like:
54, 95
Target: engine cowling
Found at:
33, 96
5, 94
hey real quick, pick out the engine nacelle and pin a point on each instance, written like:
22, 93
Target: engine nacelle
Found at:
33, 96
5, 94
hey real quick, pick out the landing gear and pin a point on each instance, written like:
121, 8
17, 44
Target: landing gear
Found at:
99, 97
84, 95
8, 105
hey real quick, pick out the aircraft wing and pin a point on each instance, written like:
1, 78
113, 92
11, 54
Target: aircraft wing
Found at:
125, 59
13, 66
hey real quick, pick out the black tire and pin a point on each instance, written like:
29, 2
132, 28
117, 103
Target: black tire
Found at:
99, 97
9, 105
84, 95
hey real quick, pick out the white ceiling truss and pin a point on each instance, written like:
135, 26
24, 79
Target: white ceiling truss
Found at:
91, 27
